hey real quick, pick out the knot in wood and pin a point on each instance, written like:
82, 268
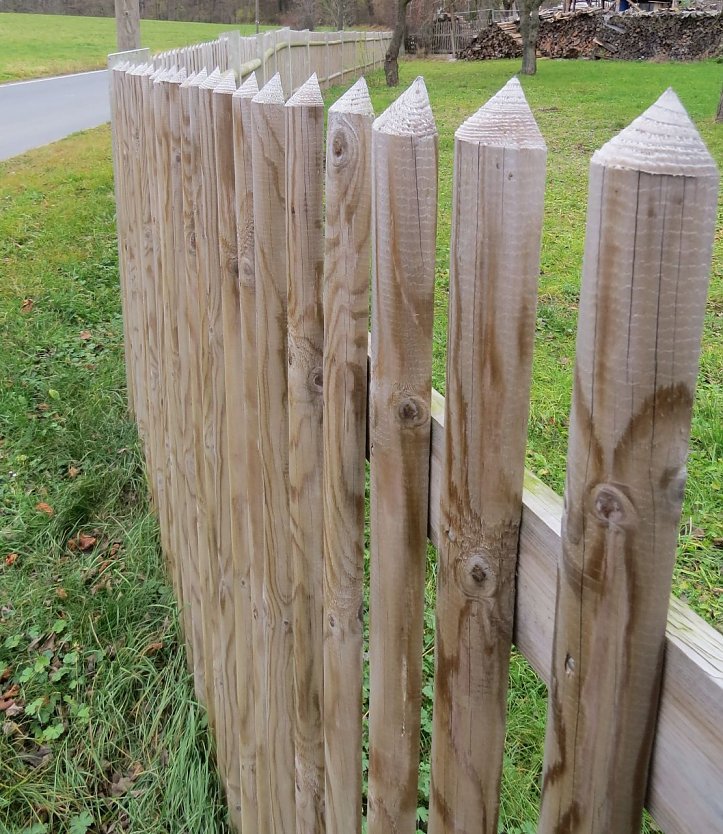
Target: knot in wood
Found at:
246, 272
192, 242
611, 506
569, 665
315, 379
339, 149
476, 575
411, 411
232, 266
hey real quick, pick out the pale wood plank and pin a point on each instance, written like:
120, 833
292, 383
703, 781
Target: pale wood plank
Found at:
250, 481
651, 215
234, 591
499, 186
346, 305
269, 155
207, 551
190, 150
404, 162
305, 266
215, 435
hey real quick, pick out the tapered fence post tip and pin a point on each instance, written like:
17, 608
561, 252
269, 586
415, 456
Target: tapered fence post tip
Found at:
356, 100
662, 140
504, 121
308, 95
271, 93
410, 115
226, 84
249, 88
211, 80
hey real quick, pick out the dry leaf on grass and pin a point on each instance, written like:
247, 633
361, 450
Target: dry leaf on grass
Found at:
73, 471
27, 305
42, 507
61, 593
11, 558
85, 335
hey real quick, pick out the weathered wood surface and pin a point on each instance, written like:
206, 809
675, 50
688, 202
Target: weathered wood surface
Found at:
305, 269
269, 155
404, 163
499, 187
251, 485
346, 306
234, 599
207, 548
193, 459
651, 214
128, 24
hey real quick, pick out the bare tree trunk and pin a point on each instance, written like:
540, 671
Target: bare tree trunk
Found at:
391, 63
529, 29
719, 114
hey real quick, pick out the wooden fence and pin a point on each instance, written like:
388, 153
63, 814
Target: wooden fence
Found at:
335, 57
245, 258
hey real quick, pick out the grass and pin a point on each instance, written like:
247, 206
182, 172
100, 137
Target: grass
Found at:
38, 45
107, 732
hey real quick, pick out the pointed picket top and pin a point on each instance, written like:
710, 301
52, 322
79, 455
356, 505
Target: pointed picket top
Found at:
160, 76
663, 140
157, 73
189, 80
410, 115
181, 76
148, 71
123, 66
504, 121
308, 95
356, 100
199, 78
212, 80
271, 93
249, 88
227, 84
139, 69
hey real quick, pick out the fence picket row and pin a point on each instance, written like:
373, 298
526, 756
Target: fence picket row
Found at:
246, 340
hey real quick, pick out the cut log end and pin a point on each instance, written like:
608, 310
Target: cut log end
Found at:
271, 93
410, 115
308, 95
212, 80
227, 84
249, 88
356, 100
504, 121
663, 140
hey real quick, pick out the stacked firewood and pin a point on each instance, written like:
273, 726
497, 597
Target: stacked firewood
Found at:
675, 36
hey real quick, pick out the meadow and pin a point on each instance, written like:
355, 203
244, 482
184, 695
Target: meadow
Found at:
40, 45
103, 734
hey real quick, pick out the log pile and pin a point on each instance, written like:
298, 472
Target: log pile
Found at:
674, 36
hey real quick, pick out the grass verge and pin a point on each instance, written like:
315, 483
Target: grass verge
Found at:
105, 735
39, 45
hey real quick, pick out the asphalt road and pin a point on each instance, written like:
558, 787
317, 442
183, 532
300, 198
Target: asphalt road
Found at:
34, 113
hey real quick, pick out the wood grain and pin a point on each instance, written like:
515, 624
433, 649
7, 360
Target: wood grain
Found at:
269, 166
305, 267
250, 480
346, 306
234, 599
499, 186
191, 175
404, 162
651, 211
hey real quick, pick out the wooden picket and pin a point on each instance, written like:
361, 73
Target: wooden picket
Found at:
246, 325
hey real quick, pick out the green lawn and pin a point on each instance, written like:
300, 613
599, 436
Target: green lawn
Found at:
107, 730
37, 45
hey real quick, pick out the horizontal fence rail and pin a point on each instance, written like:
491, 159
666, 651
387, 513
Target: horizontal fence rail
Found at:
335, 57
245, 279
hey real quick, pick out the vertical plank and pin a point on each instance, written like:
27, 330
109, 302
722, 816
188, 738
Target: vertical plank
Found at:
250, 480
269, 155
497, 203
128, 24
215, 435
305, 264
184, 437
651, 216
346, 338
234, 591
207, 552
404, 161
188, 355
